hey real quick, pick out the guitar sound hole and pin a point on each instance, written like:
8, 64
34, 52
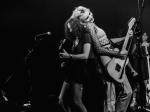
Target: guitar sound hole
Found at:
118, 67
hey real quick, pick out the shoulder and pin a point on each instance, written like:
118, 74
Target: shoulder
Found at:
87, 38
87, 35
100, 29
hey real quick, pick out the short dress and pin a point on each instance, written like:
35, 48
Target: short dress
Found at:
79, 70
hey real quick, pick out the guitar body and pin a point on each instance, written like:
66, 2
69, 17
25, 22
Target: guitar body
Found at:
115, 69
105, 59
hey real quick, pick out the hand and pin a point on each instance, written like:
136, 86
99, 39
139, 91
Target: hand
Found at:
116, 49
145, 44
123, 54
64, 54
130, 33
134, 73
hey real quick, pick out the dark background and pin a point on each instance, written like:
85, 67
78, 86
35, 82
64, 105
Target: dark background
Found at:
22, 20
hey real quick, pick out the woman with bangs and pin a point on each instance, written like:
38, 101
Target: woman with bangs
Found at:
81, 59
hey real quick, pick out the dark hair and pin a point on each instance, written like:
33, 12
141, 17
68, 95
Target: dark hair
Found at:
77, 29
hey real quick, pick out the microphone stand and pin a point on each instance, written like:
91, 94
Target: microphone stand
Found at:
28, 71
138, 33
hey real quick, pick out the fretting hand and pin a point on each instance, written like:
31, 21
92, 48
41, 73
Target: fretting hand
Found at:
64, 55
124, 52
130, 33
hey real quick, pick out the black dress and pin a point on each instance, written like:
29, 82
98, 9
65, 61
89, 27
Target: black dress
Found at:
86, 72
78, 70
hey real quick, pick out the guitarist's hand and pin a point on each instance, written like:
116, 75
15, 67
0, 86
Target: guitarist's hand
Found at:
145, 44
130, 33
64, 54
123, 54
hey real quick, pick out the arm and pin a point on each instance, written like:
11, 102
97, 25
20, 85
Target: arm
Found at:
86, 43
99, 49
133, 49
132, 69
116, 40
85, 54
130, 66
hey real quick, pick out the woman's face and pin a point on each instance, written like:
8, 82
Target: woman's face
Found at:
90, 18
144, 37
84, 15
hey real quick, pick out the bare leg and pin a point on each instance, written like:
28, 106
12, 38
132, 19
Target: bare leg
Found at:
135, 92
132, 70
63, 96
69, 92
78, 97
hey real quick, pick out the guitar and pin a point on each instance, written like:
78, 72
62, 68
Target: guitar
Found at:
116, 66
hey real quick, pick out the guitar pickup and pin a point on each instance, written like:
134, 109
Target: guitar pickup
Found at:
118, 67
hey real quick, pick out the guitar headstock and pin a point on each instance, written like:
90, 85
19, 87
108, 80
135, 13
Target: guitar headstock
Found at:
131, 22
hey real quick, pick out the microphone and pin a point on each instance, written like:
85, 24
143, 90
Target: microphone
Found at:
47, 33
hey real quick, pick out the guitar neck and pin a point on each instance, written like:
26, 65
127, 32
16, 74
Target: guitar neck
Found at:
130, 24
126, 40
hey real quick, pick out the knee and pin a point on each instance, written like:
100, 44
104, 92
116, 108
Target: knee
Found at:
130, 92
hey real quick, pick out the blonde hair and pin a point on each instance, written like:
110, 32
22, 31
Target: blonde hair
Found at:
83, 13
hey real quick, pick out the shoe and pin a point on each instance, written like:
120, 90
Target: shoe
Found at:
28, 104
133, 103
147, 106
